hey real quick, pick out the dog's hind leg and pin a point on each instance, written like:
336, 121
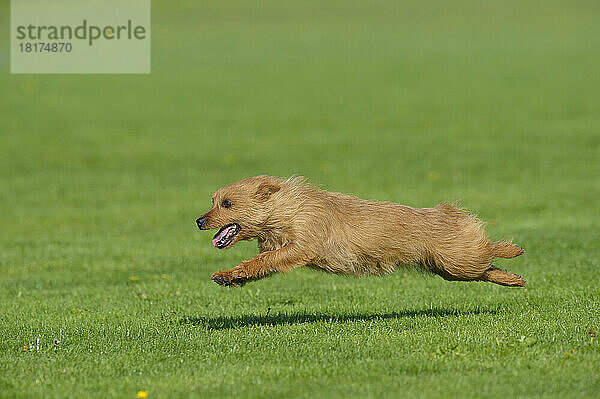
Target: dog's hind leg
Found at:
506, 249
503, 277
263, 265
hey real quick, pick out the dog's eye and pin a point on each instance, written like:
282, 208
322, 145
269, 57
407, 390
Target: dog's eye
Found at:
226, 204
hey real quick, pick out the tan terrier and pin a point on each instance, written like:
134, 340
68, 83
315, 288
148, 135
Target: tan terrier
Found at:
297, 224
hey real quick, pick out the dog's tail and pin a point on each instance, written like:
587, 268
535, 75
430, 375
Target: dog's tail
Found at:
503, 277
505, 249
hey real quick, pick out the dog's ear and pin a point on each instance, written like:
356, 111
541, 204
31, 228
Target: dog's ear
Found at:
265, 190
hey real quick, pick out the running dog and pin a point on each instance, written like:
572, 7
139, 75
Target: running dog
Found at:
297, 224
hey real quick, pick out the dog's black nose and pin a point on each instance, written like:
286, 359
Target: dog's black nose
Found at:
201, 222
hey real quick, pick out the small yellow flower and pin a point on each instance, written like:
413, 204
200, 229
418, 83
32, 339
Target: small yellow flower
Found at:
142, 394
433, 175
165, 276
134, 278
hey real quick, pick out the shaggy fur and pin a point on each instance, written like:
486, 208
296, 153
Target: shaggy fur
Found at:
297, 224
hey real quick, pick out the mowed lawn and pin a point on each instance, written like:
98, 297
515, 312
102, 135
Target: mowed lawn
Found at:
493, 104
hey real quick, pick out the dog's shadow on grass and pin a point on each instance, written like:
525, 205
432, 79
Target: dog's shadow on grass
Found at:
231, 322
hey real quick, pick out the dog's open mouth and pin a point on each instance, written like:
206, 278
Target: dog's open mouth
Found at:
224, 236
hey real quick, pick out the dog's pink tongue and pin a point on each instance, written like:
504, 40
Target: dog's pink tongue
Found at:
221, 235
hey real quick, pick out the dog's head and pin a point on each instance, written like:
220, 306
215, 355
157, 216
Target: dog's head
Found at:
240, 210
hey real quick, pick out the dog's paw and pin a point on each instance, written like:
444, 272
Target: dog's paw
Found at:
229, 278
223, 278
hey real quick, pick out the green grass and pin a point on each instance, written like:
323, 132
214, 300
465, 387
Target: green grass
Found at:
495, 104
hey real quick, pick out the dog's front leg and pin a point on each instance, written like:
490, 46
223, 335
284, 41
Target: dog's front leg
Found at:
262, 265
